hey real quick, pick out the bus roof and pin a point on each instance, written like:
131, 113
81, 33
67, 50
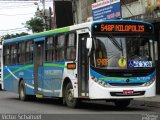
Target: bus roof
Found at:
46, 33
64, 29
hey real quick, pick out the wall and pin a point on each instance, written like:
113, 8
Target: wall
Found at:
136, 8
83, 9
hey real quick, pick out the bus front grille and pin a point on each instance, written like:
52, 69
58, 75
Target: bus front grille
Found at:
136, 93
126, 84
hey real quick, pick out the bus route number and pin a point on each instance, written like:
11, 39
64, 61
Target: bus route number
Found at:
102, 61
122, 28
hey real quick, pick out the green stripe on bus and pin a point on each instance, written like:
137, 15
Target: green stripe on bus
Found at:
60, 30
30, 66
54, 65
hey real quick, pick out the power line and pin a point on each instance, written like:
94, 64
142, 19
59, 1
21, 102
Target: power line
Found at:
23, 0
17, 6
11, 32
13, 29
23, 3
13, 7
16, 14
19, 1
20, 6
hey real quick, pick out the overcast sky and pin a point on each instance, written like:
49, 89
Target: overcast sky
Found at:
14, 13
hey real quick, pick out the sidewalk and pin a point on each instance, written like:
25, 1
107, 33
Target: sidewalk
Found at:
150, 102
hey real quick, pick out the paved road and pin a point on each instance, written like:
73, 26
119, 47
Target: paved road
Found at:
10, 104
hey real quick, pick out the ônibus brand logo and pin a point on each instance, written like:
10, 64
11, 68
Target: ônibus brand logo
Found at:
128, 80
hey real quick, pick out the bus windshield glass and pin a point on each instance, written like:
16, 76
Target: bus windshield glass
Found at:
122, 52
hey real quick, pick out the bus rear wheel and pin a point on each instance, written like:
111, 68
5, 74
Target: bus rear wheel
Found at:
22, 92
69, 97
122, 103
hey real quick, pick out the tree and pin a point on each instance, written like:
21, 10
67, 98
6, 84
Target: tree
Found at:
35, 24
9, 36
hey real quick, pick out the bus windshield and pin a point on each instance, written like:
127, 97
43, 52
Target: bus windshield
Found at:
122, 52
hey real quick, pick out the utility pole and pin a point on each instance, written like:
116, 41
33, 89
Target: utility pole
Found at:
44, 20
45, 14
50, 18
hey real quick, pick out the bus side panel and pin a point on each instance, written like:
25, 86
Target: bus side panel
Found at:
10, 78
12, 75
29, 79
53, 76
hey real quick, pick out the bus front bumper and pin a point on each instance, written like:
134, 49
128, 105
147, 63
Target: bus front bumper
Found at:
97, 91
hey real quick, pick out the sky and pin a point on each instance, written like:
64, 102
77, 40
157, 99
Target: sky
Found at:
14, 14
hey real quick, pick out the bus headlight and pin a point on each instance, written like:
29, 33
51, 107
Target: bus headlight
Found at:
100, 82
149, 82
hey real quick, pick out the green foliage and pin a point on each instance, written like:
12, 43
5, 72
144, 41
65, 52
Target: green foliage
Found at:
35, 24
9, 36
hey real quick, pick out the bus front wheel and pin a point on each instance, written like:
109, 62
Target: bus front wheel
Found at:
122, 103
22, 92
69, 96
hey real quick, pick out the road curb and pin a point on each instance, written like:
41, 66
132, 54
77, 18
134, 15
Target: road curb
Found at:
146, 103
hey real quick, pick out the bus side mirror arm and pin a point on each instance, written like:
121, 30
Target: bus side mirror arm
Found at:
89, 45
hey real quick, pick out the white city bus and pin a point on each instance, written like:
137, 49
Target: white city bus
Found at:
108, 60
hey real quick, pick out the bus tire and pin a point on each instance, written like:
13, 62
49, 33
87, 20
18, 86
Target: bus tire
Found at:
122, 103
69, 97
22, 91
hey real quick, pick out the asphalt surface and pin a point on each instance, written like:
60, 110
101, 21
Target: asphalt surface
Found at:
53, 109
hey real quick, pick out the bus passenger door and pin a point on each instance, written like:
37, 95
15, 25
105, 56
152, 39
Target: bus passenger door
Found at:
38, 66
83, 67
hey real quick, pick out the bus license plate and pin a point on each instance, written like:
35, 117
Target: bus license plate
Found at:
126, 92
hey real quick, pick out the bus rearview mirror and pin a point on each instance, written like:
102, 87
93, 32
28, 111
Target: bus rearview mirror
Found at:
89, 43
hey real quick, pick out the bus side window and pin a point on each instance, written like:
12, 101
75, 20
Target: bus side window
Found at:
21, 52
71, 46
6, 54
29, 52
60, 47
49, 49
73, 53
13, 54
18, 53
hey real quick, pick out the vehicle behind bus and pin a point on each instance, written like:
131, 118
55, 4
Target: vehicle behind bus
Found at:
107, 60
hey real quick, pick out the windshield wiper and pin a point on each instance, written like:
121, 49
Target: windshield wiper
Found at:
116, 44
114, 41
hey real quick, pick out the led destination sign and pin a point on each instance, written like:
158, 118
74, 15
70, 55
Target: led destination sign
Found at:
122, 27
